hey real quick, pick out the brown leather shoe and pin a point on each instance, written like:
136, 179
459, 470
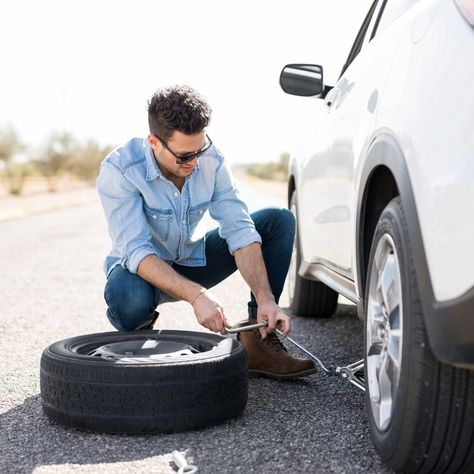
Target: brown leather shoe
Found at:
270, 358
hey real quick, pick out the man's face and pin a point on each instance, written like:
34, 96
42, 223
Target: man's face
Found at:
181, 144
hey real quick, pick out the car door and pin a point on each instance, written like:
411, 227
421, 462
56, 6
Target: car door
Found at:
327, 183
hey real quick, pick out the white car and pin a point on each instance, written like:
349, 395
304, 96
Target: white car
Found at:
383, 194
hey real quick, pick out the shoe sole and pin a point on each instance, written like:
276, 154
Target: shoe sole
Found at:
262, 373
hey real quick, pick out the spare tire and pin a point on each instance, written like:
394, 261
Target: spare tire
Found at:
144, 381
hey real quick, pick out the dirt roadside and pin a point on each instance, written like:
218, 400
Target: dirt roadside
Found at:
16, 207
38, 201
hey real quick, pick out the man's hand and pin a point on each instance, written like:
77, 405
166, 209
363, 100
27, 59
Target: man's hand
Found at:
269, 311
209, 312
207, 309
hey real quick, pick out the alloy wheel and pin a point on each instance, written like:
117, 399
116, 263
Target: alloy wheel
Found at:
384, 336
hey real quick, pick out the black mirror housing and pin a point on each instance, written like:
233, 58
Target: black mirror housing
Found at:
302, 79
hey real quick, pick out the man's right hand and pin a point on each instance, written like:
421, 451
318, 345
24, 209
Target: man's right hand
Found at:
209, 312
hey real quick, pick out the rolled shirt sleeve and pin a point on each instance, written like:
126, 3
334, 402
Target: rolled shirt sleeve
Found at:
235, 224
123, 207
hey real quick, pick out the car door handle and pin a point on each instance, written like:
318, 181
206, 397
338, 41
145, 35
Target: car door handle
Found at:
331, 97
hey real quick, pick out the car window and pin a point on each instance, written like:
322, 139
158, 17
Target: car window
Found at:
373, 23
390, 11
356, 47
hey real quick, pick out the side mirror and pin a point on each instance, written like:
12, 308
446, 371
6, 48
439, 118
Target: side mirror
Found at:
302, 79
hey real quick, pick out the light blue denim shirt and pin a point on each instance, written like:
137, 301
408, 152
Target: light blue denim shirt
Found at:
147, 214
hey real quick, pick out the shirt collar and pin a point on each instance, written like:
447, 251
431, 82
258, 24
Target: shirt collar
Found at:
152, 169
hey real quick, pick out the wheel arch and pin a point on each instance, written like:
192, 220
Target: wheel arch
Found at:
447, 322
383, 176
380, 189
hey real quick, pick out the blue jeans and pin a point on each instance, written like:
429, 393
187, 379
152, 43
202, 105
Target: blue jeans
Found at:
132, 301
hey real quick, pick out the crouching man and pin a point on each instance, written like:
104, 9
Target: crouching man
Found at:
154, 192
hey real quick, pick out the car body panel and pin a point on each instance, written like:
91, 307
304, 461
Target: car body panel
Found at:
405, 103
437, 137
449, 324
327, 181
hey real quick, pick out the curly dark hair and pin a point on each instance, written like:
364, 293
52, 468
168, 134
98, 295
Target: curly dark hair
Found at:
179, 108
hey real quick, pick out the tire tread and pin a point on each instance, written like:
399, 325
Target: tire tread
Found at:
114, 398
434, 430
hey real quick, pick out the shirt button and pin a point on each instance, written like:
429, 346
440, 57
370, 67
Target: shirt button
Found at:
184, 222
175, 194
154, 216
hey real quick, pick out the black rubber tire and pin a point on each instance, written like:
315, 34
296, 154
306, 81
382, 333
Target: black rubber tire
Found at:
90, 393
309, 298
432, 426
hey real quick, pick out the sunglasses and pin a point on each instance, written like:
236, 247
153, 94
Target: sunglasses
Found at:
181, 159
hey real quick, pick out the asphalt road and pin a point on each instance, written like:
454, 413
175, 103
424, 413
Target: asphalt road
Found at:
51, 288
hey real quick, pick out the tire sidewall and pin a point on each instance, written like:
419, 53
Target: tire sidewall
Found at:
81, 391
65, 349
398, 436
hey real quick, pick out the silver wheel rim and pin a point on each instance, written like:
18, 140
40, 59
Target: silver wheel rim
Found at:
384, 331
292, 270
150, 350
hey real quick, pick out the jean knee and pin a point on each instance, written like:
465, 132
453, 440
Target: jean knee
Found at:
130, 316
287, 219
275, 221
131, 302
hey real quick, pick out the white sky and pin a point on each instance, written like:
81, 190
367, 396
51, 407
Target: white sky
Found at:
89, 66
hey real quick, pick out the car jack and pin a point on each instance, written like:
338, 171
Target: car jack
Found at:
353, 373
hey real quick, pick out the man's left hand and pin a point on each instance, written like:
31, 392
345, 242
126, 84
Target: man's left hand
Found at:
275, 316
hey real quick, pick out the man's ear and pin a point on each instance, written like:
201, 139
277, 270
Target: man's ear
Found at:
151, 139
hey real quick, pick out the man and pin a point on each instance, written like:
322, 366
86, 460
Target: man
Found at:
155, 193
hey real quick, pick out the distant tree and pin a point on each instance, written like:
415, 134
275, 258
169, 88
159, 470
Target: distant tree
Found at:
284, 160
276, 171
86, 162
17, 174
10, 145
58, 154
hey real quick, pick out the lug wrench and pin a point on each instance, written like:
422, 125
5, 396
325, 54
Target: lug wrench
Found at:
352, 372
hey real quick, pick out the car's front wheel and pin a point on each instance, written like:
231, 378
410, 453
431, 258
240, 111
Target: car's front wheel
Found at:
421, 412
307, 297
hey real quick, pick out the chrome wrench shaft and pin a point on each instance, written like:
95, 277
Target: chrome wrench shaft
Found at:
352, 372
299, 346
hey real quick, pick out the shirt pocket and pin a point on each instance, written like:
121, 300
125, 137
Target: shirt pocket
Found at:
197, 227
159, 221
